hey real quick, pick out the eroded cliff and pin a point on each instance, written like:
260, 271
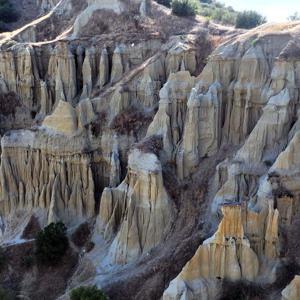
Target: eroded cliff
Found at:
182, 160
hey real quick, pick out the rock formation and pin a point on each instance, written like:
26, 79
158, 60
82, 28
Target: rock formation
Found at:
170, 118
227, 254
117, 113
292, 291
137, 214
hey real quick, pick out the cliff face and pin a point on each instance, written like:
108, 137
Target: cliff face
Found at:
156, 142
138, 213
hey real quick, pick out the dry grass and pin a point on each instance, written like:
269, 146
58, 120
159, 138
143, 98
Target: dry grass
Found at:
152, 144
130, 121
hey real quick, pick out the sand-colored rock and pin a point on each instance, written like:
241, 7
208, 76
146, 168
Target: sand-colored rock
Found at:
170, 118
89, 72
63, 120
181, 58
270, 134
137, 214
227, 254
117, 65
34, 175
62, 71
103, 68
202, 131
292, 291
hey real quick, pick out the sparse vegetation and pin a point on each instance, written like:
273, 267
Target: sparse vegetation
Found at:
88, 293
130, 120
249, 19
185, 8
152, 144
217, 11
51, 244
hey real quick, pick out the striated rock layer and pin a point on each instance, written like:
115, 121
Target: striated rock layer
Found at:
137, 214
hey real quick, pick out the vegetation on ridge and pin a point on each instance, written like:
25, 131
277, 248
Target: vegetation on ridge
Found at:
215, 10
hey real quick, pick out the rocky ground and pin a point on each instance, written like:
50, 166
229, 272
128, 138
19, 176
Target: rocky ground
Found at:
167, 145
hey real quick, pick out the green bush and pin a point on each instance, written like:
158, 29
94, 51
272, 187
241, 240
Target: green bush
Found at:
185, 8
166, 3
51, 244
218, 12
249, 19
88, 293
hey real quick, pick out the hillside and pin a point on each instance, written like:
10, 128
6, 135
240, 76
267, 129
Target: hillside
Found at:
166, 145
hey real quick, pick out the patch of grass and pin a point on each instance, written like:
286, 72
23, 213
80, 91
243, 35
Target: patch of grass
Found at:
88, 293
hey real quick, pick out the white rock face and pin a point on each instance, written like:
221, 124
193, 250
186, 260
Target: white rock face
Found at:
137, 214
170, 118
63, 120
202, 131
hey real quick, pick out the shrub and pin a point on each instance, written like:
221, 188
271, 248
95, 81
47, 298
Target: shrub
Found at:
88, 293
249, 19
185, 7
51, 244
166, 3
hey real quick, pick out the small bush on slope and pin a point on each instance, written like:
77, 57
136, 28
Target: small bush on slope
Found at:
51, 244
185, 8
87, 293
249, 19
